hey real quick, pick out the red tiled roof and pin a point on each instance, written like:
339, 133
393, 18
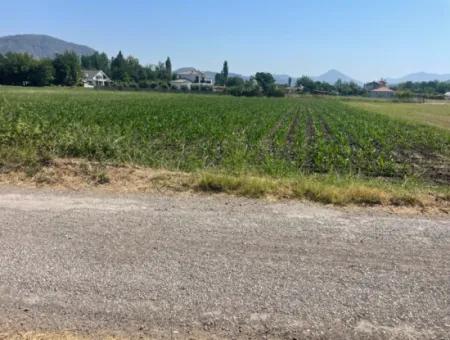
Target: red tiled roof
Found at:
382, 89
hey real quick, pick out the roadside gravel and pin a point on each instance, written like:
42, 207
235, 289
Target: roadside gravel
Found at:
187, 266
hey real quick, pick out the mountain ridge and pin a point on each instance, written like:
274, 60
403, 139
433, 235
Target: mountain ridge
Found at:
45, 46
330, 76
419, 77
40, 45
333, 75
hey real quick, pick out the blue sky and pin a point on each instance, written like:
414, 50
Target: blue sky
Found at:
365, 39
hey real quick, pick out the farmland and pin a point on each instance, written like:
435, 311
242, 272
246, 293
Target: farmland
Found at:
277, 138
435, 114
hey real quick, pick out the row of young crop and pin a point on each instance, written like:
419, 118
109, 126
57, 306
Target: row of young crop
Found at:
273, 136
331, 137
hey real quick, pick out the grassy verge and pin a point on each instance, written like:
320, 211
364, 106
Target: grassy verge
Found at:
328, 189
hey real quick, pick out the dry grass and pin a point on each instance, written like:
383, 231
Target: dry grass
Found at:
53, 336
437, 115
69, 335
315, 189
73, 174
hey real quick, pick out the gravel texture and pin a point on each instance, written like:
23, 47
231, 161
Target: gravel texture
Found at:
191, 266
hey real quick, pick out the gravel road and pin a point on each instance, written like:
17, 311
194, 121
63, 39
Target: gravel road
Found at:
191, 266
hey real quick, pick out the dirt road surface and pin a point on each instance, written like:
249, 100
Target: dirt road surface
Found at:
189, 267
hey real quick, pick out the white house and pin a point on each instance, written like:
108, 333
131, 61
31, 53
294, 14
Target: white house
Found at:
194, 76
447, 96
181, 84
95, 78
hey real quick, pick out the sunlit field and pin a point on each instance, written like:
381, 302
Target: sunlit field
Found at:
436, 114
274, 137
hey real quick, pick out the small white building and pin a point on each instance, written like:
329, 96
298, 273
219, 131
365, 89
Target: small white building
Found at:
95, 78
191, 79
194, 76
447, 96
181, 84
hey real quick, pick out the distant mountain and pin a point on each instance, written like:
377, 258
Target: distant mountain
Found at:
332, 76
40, 46
419, 77
279, 78
329, 77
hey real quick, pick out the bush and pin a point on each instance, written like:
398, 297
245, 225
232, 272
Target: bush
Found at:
132, 85
144, 84
235, 81
275, 92
404, 94
246, 90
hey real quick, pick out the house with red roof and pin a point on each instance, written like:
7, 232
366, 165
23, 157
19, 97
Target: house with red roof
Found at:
379, 89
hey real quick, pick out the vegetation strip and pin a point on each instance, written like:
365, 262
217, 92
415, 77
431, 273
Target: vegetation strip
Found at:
77, 174
270, 138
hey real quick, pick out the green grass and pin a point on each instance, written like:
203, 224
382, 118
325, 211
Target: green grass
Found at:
253, 142
435, 114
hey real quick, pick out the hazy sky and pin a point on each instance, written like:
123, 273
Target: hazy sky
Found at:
365, 39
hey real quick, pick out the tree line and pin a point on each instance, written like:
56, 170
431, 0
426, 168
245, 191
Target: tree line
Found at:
339, 88
260, 84
66, 70
404, 90
264, 84
429, 89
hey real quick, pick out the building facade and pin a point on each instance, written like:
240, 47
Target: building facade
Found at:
382, 92
95, 78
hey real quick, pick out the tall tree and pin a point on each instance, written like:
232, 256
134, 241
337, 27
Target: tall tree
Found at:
225, 71
102, 63
134, 70
266, 81
150, 72
168, 69
119, 68
86, 62
222, 77
218, 79
161, 71
2, 69
96, 61
290, 82
16, 68
307, 83
42, 73
67, 69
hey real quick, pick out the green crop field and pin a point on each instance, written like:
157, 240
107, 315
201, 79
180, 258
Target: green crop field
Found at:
273, 137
